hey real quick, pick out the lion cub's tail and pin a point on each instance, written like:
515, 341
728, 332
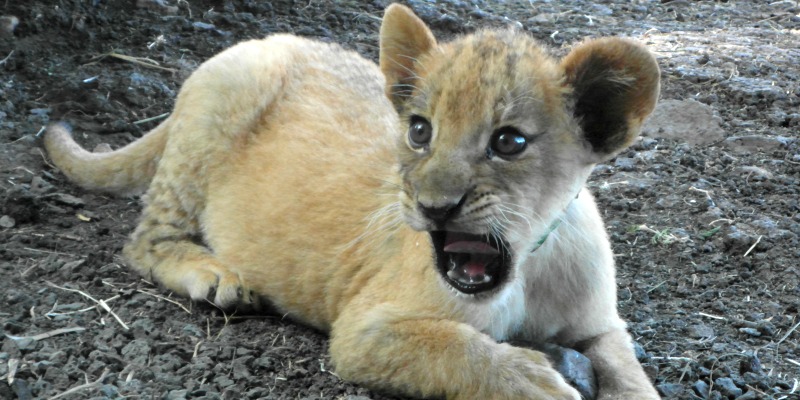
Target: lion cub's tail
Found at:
124, 171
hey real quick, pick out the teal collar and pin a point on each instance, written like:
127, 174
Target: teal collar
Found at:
550, 230
552, 227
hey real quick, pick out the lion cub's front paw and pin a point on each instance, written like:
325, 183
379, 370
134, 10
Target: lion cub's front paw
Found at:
526, 374
206, 278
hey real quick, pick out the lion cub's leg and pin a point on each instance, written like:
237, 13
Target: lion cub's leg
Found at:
619, 374
167, 245
432, 357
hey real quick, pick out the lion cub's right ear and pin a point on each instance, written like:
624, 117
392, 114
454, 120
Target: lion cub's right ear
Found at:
403, 38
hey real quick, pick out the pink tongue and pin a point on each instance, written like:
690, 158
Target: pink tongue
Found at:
475, 268
470, 247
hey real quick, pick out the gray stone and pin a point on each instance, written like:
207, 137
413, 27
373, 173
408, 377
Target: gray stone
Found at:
750, 395
727, 387
670, 390
176, 394
753, 143
66, 199
136, 351
750, 331
684, 120
700, 388
192, 330
575, 368
7, 222
700, 331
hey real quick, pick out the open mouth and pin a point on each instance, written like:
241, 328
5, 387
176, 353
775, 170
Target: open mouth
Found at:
471, 264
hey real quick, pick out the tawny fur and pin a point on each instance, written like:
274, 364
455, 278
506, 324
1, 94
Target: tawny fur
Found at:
284, 176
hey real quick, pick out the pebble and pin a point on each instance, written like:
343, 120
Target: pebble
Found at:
700, 331
7, 222
684, 120
750, 331
700, 388
575, 368
66, 199
750, 395
8, 23
752, 143
670, 390
727, 387
192, 330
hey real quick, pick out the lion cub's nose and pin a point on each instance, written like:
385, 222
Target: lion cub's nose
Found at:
440, 213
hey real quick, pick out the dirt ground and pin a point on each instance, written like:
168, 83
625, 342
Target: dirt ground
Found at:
703, 213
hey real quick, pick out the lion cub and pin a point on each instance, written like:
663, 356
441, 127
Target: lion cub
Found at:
422, 213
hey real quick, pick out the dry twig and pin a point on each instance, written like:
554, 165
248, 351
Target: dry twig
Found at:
142, 61
48, 334
88, 385
165, 299
101, 303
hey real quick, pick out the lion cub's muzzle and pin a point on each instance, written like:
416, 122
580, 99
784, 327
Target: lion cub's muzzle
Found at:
472, 264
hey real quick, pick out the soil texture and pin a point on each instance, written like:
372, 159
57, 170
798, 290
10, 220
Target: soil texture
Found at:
703, 211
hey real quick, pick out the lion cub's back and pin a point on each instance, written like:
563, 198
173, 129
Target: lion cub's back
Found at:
311, 173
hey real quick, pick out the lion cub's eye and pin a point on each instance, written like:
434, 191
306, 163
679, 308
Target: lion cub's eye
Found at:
419, 132
508, 141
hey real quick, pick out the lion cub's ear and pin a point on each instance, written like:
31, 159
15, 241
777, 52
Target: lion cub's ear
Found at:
404, 37
614, 86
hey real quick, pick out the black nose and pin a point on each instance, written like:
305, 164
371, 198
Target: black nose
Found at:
440, 214
437, 214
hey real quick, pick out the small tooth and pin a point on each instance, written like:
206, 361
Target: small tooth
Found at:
452, 275
486, 279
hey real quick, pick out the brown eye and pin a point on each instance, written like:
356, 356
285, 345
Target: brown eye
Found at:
508, 141
419, 132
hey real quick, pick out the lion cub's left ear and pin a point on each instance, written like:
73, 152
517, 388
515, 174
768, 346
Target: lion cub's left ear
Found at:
614, 86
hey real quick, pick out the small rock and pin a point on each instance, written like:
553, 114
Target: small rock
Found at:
41, 186
136, 351
750, 395
157, 5
66, 199
8, 23
176, 394
223, 381
7, 222
575, 368
684, 120
203, 26
750, 331
21, 205
265, 362
727, 387
700, 388
625, 163
700, 331
72, 265
751, 143
670, 390
192, 330
754, 172
639, 351
102, 148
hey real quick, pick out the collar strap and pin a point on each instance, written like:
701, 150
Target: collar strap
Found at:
550, 230
552, 227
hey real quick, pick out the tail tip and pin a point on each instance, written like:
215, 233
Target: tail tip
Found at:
62, 127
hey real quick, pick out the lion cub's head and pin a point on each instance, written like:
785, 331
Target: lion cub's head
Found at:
501, 136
